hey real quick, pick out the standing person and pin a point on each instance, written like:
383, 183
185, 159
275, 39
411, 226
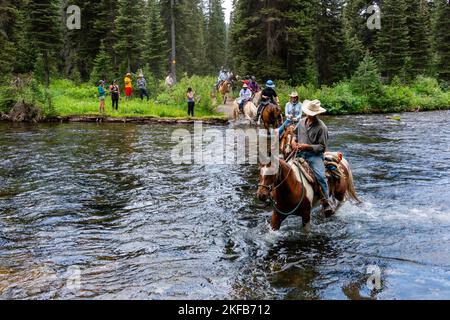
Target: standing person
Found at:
115, 95
169, 80
312, 135
142, 85
293, 111
269, 95
128, 86
101, 95
191, 101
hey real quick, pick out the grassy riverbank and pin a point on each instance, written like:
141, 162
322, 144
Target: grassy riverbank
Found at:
349, 97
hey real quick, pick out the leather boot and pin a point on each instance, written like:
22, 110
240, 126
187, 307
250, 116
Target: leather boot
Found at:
328, 210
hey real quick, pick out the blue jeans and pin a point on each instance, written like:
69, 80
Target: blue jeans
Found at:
315, 161
287, 123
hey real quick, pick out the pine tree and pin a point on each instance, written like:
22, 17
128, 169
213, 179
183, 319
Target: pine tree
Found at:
442, 39
9, 15
102, 67
190, 25
44, 31
104, 26
393, 41
355, 17
130, 26
215, 36
419, 38
156, 49
330, 43
367, 78
358, 37
257, 37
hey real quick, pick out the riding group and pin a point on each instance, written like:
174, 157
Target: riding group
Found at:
307, 173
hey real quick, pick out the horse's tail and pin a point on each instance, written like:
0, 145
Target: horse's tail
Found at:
351, 191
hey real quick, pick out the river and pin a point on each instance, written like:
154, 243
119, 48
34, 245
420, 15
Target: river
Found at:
92, 211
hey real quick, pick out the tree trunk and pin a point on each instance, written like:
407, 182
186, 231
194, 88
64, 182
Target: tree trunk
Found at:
173, 56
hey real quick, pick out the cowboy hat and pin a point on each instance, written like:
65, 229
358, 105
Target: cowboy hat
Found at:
312, 108
128, 74
245, 86
294, 94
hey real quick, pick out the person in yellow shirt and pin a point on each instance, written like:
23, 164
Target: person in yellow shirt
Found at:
128, 86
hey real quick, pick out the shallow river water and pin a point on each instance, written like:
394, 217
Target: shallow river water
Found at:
100, 211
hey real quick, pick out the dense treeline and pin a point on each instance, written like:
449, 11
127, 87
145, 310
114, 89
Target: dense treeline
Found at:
116, 36
308, 41
323, 41
315, 44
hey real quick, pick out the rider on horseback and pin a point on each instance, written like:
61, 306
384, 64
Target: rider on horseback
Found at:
223, 76
293, 111
254, 85
312, 135
244, 96
269, 95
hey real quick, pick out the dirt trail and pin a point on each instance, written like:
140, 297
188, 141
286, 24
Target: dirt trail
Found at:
227, 109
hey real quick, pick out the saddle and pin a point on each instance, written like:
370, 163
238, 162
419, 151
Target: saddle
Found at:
333, 165
332, 169
303, 168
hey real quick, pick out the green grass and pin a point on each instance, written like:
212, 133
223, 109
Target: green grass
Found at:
346, 97
69, 99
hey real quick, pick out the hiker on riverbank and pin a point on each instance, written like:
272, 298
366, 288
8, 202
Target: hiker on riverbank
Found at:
101, 95
191, 101
114, 89
142, 85
128, 86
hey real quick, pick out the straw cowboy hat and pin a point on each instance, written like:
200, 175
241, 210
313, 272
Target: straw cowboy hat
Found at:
294, 94
245, 86
312, 108
128, 74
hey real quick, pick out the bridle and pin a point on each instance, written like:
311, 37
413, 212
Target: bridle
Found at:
271, 189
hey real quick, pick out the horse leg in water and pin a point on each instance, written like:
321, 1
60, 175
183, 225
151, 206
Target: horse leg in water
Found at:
277, 220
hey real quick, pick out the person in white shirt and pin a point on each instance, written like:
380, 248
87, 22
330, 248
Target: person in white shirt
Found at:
293, 111
244, 96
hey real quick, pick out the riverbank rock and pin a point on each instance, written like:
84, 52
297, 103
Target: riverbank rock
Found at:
23, 112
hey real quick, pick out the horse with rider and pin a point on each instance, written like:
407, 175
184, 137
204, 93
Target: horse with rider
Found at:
309, 174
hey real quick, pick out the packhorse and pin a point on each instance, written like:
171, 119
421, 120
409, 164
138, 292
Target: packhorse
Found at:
292, 191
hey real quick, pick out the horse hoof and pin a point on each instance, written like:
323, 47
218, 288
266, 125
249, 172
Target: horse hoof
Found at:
329, 212
307, 227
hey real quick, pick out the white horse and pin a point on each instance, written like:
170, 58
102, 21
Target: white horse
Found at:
250, 111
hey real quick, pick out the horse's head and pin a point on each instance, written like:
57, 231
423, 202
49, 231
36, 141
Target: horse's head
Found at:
267, 180
286, 143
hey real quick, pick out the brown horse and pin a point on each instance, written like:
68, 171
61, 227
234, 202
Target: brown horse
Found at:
286, 140
225, 90
272, 117
292, 194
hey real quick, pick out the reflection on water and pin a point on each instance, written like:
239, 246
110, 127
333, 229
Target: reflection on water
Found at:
107, 199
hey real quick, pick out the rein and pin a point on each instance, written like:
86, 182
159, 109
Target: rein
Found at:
272, 189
